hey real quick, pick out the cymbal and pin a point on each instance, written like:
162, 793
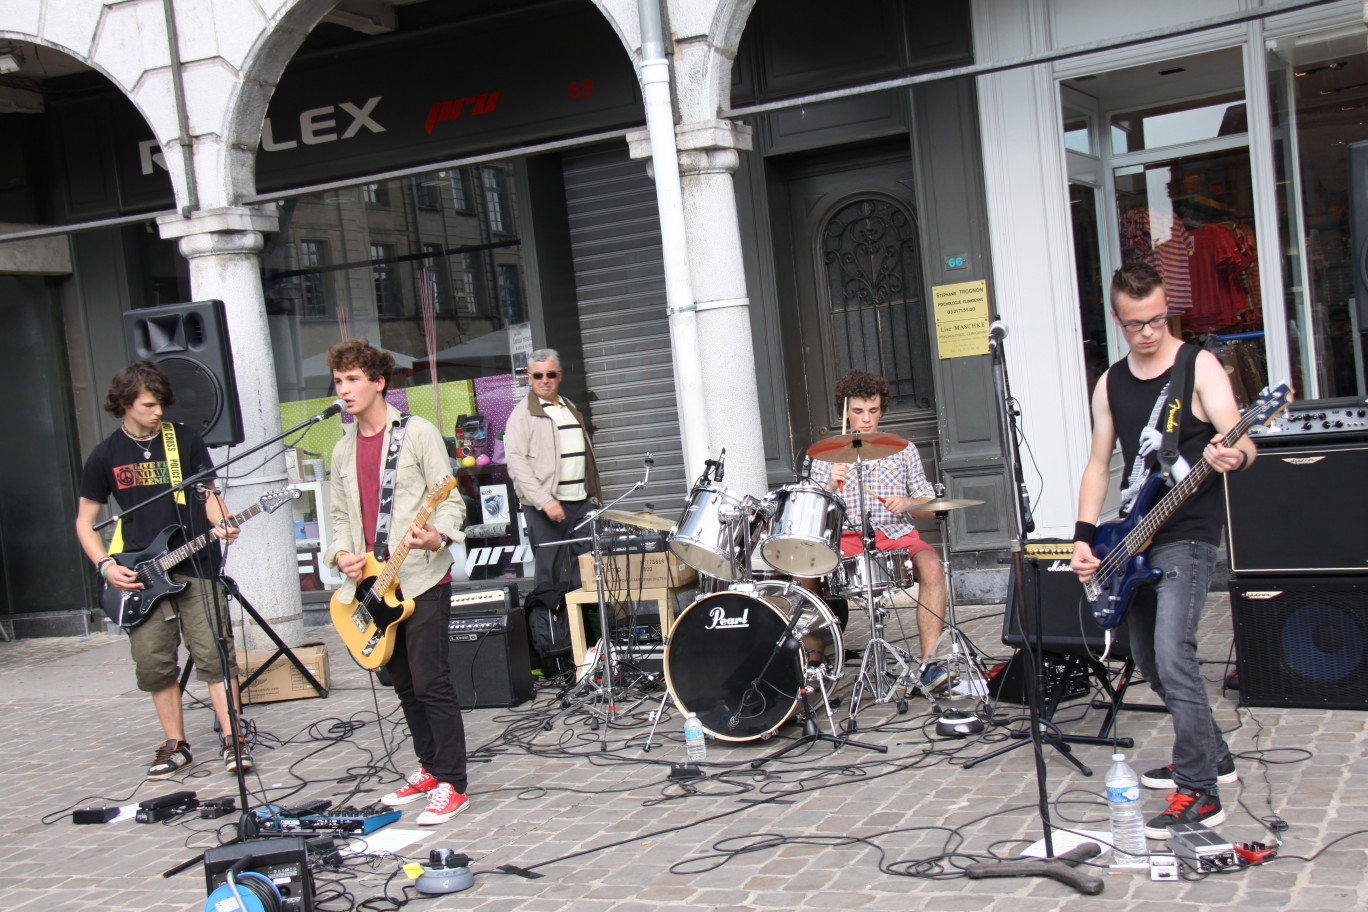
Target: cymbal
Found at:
942, 505
874, 445
640, 520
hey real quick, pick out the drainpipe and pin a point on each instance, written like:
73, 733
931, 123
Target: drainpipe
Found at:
679, 299
182, 118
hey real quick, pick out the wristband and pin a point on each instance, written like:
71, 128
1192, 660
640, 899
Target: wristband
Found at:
1084, 532
1244, 461
102, 566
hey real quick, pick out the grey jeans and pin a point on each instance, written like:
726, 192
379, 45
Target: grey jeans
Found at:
1163, 637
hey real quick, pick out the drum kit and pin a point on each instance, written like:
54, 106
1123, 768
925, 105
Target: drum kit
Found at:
746, 654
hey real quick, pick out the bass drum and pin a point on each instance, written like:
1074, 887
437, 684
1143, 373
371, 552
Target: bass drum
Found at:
723, 662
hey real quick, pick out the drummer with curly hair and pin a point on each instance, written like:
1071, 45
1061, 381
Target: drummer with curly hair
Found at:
894, 485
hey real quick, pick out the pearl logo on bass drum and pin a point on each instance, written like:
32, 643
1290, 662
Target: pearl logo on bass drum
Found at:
717, 618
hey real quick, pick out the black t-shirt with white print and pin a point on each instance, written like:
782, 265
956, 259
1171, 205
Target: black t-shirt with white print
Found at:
116, 466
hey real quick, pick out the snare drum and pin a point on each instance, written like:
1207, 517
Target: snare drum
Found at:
716, 532
805, 534
889, 570
722, 661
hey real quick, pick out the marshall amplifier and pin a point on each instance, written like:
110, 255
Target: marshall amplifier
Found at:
1066, 621
490, 663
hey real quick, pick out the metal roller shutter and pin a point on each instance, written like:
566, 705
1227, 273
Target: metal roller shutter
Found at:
620, 285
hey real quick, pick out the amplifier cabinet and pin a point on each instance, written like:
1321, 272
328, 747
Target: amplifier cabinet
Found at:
490, 662
1300, 510
1300, 640
1066, 621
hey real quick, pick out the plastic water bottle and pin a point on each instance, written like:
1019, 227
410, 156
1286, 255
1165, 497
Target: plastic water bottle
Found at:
693, 738
1129, 849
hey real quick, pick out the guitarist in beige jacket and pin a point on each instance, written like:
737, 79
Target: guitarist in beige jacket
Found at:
419, 665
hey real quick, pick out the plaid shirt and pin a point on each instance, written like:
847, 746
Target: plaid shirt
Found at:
899, 475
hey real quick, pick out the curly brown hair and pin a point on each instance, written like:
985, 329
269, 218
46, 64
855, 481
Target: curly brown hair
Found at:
861, 384
129, 383
359, 354
1135, 280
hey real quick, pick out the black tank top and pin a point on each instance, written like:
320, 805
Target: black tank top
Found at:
1202, 516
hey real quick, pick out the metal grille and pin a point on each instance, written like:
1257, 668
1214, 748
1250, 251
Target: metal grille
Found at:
620, 285
878, 315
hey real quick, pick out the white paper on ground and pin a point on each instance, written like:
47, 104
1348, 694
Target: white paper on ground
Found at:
1064, 841
386, 841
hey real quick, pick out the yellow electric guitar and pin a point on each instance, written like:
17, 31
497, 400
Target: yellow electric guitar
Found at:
368, 621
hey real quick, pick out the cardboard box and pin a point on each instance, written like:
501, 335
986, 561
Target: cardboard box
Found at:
282, 681
650, 571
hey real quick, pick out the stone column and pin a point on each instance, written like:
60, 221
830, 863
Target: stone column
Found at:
709, 154
223, 247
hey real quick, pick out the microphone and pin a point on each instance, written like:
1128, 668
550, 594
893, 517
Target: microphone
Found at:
646, 481
997, 331
337, 408
721, 463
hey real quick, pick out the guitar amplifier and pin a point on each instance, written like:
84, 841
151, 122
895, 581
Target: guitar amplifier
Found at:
490, 663
1066, 621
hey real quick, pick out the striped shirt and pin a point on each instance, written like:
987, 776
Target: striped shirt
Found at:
573, 464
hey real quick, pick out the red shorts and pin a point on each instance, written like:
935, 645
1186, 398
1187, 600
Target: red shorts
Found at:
912, 542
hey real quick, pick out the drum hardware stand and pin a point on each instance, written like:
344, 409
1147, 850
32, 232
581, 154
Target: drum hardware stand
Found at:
960, 656
586, 689
874, 665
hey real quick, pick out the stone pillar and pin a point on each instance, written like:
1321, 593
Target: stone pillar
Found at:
223, 247
708, 157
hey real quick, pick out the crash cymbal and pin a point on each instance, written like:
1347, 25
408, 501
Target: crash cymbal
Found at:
874, 445
943, 505
640, 520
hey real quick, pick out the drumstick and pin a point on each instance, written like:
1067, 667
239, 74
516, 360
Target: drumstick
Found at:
845, 410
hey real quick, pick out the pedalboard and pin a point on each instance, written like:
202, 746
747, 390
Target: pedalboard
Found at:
1202, 849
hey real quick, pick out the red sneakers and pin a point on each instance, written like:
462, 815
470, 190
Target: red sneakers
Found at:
418, 785
444, 802
1186, 806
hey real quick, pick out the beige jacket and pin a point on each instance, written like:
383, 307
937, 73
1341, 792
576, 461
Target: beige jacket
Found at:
423, 462
532, 448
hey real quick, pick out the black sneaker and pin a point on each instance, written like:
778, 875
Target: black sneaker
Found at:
1162, 778
1186, 806
171, 756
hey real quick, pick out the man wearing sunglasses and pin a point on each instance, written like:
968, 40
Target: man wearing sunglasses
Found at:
552, 465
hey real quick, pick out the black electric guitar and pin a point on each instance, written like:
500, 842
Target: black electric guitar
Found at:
128, 608
368, 621
1121, 546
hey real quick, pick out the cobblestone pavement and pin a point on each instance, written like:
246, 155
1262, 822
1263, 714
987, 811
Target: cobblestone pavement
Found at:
607, 830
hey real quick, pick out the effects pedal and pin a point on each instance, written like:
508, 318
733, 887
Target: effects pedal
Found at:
1163, 866
1202, 849
155, 810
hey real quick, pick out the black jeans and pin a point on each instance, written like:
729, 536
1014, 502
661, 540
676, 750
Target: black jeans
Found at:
556, 564
422, 679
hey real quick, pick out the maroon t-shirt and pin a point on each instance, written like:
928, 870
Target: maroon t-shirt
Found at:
369, 451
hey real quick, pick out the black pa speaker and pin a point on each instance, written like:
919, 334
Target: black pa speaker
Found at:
490, 665
1302, 641
282, 861
190, 343
1066, 621
1300, 510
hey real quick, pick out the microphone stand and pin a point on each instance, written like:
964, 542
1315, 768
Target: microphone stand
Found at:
1018, 517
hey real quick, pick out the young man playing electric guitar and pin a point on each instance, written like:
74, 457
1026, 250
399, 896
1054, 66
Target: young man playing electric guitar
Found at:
1131, 403
422, 677
134, 465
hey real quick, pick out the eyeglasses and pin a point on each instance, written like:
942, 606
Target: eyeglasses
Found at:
549, 375
1135, 326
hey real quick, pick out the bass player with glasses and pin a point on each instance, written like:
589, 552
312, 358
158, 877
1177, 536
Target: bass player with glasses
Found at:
1133, 404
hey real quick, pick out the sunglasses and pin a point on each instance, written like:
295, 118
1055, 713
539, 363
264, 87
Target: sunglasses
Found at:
549, 375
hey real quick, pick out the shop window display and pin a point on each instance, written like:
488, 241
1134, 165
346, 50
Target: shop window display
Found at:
435, 283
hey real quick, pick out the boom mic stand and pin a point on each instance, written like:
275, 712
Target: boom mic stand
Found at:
1019, 518
604, 658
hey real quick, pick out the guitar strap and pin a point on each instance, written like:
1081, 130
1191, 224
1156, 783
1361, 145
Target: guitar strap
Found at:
1177, 401
173, 466
389, 473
